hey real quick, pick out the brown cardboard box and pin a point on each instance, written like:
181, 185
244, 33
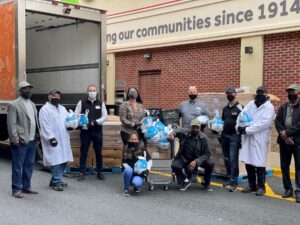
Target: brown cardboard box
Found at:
112, 153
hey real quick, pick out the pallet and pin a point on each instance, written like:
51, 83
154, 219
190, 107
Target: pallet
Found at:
92, 170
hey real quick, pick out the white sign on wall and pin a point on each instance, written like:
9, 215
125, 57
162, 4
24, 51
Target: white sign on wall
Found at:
201, 20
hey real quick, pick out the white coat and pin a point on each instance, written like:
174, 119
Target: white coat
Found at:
255, 143
52, 122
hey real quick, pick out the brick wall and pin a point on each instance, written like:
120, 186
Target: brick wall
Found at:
281, 62
212, 66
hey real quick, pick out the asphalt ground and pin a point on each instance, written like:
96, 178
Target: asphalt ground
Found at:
95, 202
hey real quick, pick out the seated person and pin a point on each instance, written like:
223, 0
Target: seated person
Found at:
193, 153
132, 151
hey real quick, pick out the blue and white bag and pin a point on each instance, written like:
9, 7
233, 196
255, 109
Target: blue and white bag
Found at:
140, 166
71, 120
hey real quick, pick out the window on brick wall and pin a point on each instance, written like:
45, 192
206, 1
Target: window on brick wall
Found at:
150, 88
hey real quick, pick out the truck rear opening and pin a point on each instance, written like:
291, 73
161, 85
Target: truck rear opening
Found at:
51, 44
61, 53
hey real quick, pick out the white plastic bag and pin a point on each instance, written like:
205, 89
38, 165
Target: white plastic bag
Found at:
216, 124
71, 120
140, 166
244, 120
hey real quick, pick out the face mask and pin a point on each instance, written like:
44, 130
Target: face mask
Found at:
292, 97
133, 145
132, 95
55, 101
230, 97
260, 98
26, 94
193, 97
92, 95
194, 133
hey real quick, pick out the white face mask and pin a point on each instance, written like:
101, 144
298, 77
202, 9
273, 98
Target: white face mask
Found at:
92, 95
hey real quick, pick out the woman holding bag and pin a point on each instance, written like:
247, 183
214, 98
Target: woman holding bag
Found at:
131, 154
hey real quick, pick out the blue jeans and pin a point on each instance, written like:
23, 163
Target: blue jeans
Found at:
136, 181
230, 145
86, 137
23, 158
57, 172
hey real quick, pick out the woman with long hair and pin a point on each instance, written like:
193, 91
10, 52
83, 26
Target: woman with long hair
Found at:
131, 113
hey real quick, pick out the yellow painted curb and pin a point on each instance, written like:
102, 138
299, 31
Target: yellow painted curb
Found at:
277, 173
269, 191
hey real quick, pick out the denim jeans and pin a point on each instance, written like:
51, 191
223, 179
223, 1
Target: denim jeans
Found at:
230, 146
57, 172
86, 137
23, 158
128, 176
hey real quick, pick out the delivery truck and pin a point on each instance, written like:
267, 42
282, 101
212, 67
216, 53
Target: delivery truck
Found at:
50, 44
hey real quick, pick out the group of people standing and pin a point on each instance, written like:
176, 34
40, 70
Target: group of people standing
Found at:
24, 126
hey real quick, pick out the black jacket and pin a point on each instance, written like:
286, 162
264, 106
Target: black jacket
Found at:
95, 111
293, 131
202, 150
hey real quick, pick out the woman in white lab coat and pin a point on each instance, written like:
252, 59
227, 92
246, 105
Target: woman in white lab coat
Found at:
255, 140
55, 139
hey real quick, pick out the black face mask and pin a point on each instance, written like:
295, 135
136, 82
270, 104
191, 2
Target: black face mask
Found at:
133, 146
260, 99
230, 97
292, 97
26, 94
194, 133
192, 97
55, 101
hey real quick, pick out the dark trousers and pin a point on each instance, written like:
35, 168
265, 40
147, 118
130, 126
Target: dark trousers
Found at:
179, 166
230, 146
23, 158
286, 153
256, 173
86, 137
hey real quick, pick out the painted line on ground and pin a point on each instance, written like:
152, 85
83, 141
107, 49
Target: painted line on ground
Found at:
269, 191
277, 173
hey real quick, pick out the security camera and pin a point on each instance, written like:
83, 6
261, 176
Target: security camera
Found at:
67, 11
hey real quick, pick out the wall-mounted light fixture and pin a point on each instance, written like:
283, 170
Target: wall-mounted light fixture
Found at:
107, 62
148, 56
248, 50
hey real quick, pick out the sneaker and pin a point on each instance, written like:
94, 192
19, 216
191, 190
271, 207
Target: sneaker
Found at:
249, 190
260, 192
233, 187
126, 193
100, 176
137, 190
185, 185
207, 187
288, 194
57, 187
227, 184
63, 184
81, 177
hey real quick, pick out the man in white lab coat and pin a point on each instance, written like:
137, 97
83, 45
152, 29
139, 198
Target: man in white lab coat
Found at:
55, 139
255, 141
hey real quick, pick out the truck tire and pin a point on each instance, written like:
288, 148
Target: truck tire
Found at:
3, 129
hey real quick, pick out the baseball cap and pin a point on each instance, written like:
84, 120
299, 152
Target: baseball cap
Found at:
230, 90
24, 84
53, 91
293, 87
195, 122
262, 88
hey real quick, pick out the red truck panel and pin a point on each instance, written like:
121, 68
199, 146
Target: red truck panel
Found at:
7, 51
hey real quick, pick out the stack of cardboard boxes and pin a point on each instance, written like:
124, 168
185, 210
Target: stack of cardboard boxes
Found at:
112, 145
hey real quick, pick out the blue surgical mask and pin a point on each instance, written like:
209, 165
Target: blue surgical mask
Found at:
92, 95
26, 94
